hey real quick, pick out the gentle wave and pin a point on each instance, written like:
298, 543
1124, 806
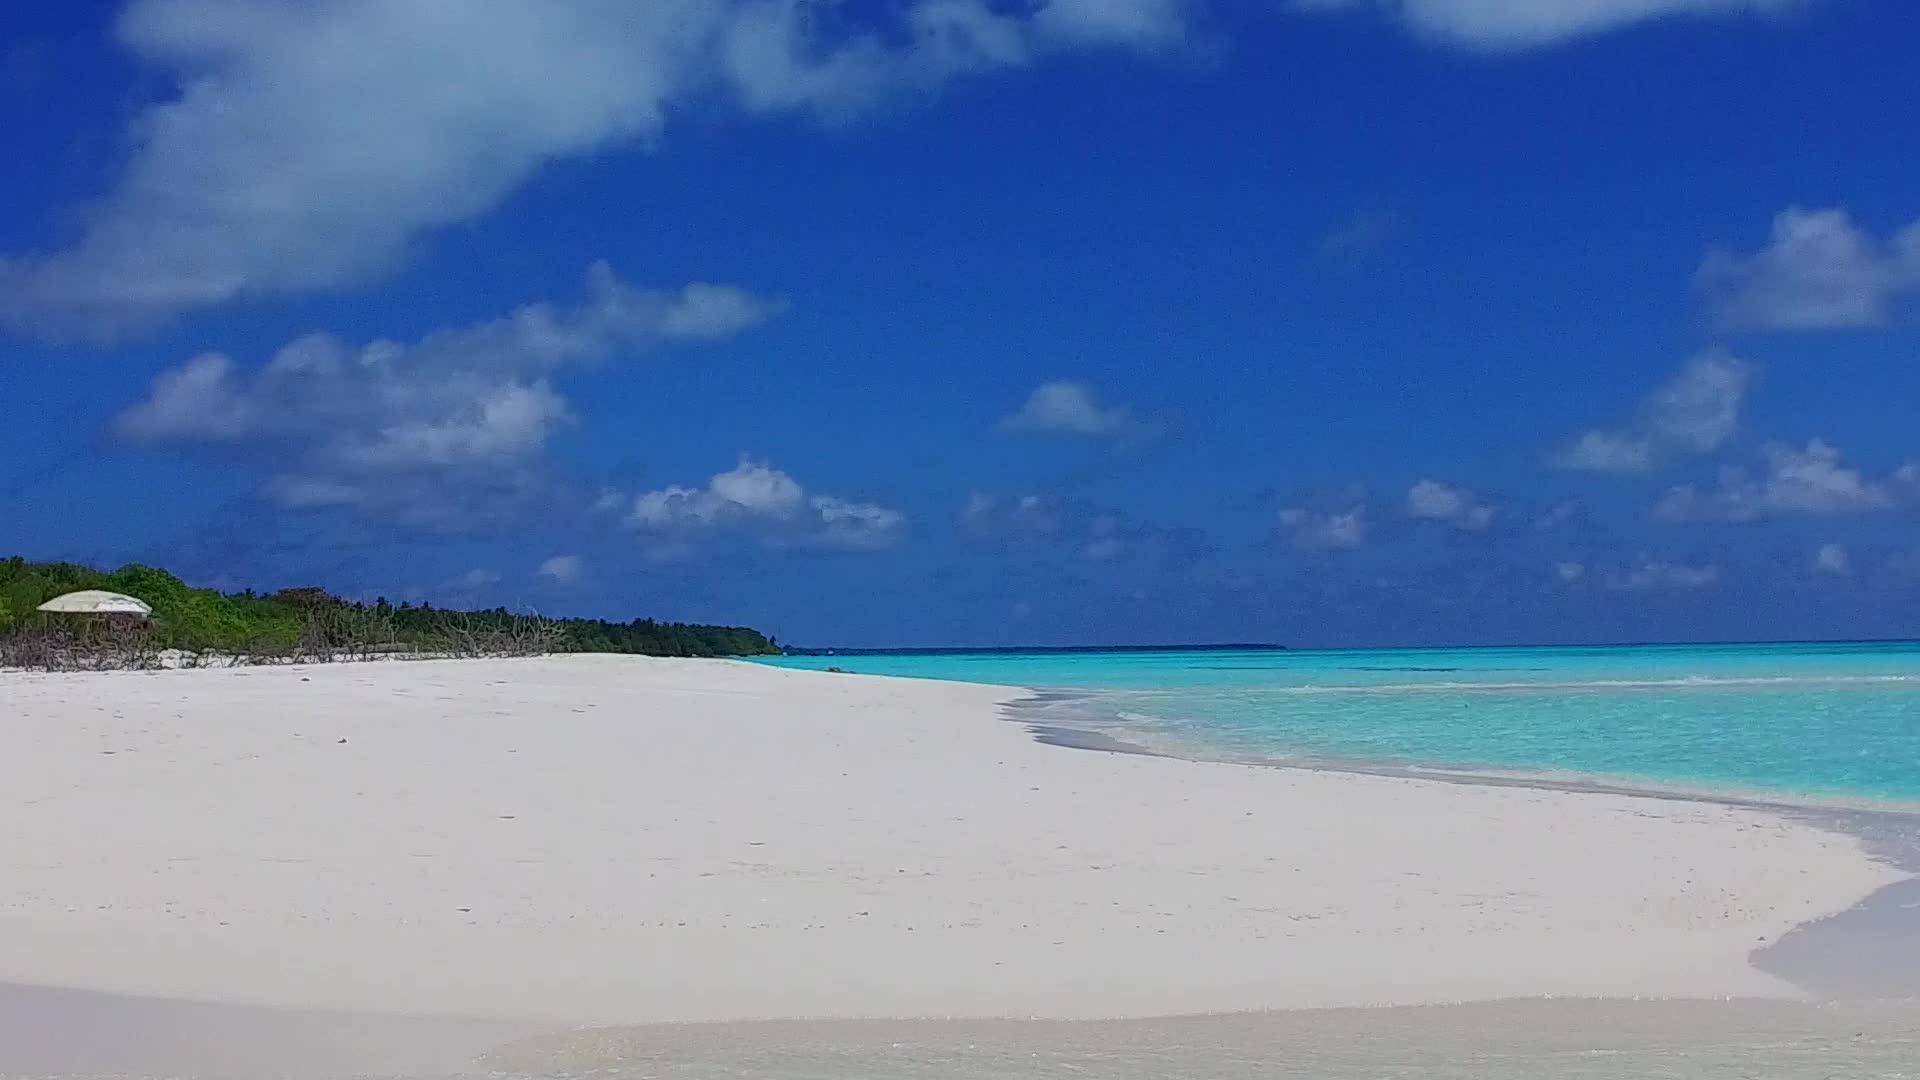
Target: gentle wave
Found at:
1157, 735
1791, 723
1681, 683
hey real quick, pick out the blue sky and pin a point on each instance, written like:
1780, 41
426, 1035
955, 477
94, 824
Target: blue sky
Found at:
957, 321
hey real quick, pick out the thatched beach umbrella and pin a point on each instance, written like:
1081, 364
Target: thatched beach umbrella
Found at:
96, 620
97, 602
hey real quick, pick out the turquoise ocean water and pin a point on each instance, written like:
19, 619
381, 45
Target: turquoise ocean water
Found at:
1796, 720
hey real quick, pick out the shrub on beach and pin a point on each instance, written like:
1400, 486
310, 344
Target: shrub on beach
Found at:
311, 623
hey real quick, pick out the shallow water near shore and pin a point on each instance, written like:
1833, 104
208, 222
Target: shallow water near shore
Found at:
1822, 721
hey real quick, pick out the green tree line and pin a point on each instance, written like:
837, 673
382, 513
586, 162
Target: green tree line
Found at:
205, 620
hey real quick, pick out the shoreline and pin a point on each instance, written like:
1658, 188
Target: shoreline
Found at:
1092, 735
1868, 951
546, 839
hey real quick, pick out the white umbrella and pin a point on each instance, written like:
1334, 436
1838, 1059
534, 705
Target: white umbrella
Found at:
97, 602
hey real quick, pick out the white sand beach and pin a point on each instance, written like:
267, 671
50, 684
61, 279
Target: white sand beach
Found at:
601, 840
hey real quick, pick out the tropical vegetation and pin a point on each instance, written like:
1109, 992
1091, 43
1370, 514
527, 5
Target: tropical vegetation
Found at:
311, 620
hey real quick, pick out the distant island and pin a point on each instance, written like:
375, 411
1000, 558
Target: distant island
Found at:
1028, 650
311, 622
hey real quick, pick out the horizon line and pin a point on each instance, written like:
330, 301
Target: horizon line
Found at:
950, 650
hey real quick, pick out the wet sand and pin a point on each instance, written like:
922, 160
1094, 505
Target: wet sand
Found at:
70, 1035
52, 1032
1520, 1040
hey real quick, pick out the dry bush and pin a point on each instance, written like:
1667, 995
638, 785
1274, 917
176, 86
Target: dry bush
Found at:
462, 635
113, 646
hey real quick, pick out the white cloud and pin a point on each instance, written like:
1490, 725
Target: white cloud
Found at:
1698, 410
1695, 412
1026, 517
1095, 534
562, 569
1607, 451
1569, 572
1833, 559
750, 489
854, 526
310, 146
756, 497
1126, 22
1431, 500
1069, 408
476, 579
1818, 271
1517, 24
1796, 481
408, 428
1315, 530
1653, 575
